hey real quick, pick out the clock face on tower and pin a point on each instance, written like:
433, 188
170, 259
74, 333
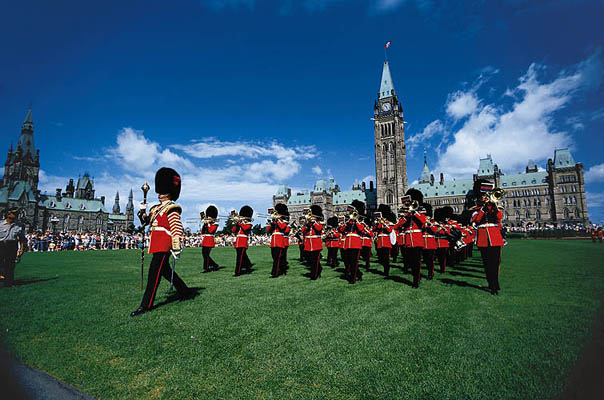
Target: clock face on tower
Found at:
386, 107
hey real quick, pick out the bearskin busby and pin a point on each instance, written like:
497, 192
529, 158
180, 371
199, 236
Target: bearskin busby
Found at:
415, 195
438, 215
447, 212
317, 211
428, 209
246, 211
282, 210
384, 209
167, 181
332, 222
359, 205
212, 212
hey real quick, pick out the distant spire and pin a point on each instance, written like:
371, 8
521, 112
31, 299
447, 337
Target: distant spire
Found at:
386, 86
425, 162
425, 177
116, 206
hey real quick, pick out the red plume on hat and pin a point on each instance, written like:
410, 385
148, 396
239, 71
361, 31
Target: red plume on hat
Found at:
167, 181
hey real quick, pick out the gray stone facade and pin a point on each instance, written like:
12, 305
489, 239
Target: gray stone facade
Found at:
76, 209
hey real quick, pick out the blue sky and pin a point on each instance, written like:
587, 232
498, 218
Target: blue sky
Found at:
241, 95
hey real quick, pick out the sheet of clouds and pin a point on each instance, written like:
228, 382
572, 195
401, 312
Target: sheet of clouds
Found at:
595, 174
512, 134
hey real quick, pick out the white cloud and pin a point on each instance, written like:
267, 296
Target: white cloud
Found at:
595, 174
461, 104
317, 170
429, 131
594, 199
523, 131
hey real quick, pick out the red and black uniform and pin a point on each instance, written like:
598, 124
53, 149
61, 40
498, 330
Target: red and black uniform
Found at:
284, 264
366, 243
489, 241
332, 242
313, 246
384, 245
600, 234
242, 230
412, 225
352, 232
442, 246
430, 247
208, 230
166, 232
277, 228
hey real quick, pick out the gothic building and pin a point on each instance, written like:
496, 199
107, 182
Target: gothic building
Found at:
390, 153
555, 195
77, 209
327, 194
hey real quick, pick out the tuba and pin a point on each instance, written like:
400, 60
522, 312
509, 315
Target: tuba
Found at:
496, 195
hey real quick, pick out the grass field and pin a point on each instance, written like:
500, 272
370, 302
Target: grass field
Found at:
252, 337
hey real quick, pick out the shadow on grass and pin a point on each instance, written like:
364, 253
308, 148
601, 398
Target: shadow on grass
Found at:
175, 296
463, 284
455, 273
399, 279
18, 282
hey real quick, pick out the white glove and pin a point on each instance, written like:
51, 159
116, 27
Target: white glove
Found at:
142, 206
176, 253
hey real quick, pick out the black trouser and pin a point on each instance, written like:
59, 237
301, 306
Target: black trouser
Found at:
207, 260
8, 256
301, 248
283, 266
413, 260
451, 254
394, 252
342, 254
314, 258
366, 253
384, 259
160, 267
332, 256
351, 257
441, 254
277, 253
492, 258
242, 261
428, 255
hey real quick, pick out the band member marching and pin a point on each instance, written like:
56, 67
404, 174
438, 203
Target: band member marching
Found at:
166, 233
412, 223
488, 219
332, 241
366, 242
208, 230
277, 227
288, 229
442, 241
430, 245
383, 228
352, 231
312, 240
242, 229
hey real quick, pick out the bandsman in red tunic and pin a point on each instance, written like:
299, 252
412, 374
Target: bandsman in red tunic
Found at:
277, 227
166, 233
332, 241
442, 239
383, 228
208, 230
313, 243
366, 242
488, 221
288, 230
242, 229
413, 222
600, 234
352, 231
430, 230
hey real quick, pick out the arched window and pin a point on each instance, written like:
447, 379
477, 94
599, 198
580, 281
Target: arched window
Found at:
566, 213
389, 198
538, 215
527, 214
577, 213
517, 215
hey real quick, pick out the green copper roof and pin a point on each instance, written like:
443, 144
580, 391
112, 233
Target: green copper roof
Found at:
347, 196
26, 140
83, 181
486, 166
563, 159
282, 190
4, 195
320, 186
299, 198
118, 217
386, 85
522, 180
425, 178
67, 203
449, 188
20, 188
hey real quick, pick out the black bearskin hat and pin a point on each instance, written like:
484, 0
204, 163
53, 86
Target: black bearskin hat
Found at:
212, 212
332, 222
447, 212
317, 211
428, 209
391, 217
415, 195
476, 187
438, 214
282, 209
246, 211
167, 181
385, 210
359, 205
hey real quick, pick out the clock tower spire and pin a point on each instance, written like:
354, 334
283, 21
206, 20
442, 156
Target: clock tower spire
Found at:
390, 152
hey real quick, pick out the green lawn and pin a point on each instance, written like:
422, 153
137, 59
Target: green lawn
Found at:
254, 337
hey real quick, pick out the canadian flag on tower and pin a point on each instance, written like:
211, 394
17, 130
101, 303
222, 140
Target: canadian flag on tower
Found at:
388, 44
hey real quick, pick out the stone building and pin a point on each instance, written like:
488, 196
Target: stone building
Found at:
76, 209
327, 194
555, 195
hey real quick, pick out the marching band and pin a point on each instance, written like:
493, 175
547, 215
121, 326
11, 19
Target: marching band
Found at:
416, 231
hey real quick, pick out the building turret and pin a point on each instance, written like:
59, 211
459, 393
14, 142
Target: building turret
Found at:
130, 205
116, 205
425, 177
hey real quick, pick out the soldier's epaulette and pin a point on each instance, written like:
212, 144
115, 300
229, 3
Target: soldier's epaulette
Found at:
173, 207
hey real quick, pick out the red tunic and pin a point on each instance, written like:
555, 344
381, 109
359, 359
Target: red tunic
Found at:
288, 229
333, 239
312, 237
367, 237
413, 225
207, 235
277, 228
162, 234
242, 229
443, 242
383, 235
429, 238
352, 232
489, 230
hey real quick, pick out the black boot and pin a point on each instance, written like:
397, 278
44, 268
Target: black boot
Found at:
138, 311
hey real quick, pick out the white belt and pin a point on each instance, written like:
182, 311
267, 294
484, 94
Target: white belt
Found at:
207, 235
352, 234
161, 228
488, 225
384, 235
414, 231
277, 233
313, 237
242, 236
429, 236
